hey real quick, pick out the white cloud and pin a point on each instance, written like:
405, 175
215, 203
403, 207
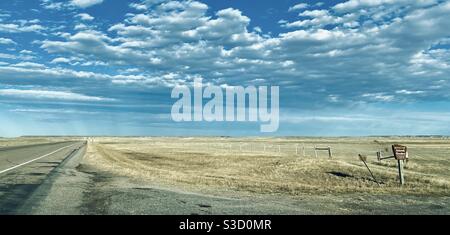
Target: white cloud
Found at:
7, 41
137, 6
60, 60
53, 95
4, 15
348, 55
29, 65
407, 92
379, 97
331, 53
358, 4
16, 28
299, 6
257, 29
7, 56
70, 4
58, 74
319, 18
52, 111
85, 17
81, 27
49, 4
16, 57
86, 3
28, 52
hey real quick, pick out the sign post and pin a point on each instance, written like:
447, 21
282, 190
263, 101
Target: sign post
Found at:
400, 172
400, 154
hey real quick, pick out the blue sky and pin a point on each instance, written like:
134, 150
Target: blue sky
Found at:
104, 67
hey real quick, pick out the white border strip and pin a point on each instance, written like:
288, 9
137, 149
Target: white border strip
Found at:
25, 163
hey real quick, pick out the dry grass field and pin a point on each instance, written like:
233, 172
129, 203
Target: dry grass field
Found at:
240, 165
219, 175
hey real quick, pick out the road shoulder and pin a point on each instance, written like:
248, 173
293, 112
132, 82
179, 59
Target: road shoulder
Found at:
62, 191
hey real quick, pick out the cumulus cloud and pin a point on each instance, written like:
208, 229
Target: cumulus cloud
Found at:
60, 60
137, 6
358, 4
319, 18
49, 4
21, 56
299, 6
52, 111
17, 28
406, 92
86, 3
29, 65
379, 97
327, 50
53, 95
85, 17
352, 53
71, 4
7, 41
144, 39
29, 70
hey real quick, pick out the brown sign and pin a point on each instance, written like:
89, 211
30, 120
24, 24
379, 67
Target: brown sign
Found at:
400, 152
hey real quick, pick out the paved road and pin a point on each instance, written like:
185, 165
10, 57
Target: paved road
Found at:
24, 168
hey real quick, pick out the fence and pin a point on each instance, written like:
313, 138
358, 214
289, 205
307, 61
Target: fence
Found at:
298, 149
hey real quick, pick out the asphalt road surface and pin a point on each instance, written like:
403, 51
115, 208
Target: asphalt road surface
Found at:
23, 169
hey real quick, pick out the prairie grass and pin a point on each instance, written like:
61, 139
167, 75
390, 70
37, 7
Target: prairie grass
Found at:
232, 164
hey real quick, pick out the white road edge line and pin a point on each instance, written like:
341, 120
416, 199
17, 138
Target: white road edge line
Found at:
25, 163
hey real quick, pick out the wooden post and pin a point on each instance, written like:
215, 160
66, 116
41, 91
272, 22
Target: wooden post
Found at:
363, 159
304, 153
329, 152
279, 148
315, 151
296, 149
400, 172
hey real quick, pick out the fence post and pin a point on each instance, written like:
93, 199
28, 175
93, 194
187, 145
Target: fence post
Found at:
329, 152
